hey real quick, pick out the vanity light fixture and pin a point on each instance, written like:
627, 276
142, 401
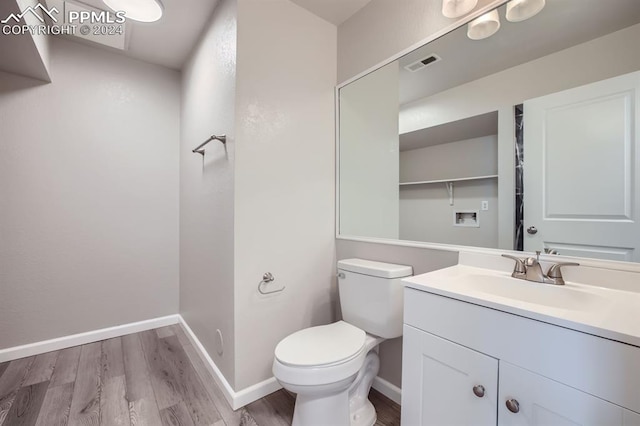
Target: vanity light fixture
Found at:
521, 10
138, 10
457, 8
484, 26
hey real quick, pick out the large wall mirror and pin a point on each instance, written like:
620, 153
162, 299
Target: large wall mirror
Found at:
524, 140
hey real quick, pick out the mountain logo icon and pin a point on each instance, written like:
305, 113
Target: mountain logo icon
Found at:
34, 11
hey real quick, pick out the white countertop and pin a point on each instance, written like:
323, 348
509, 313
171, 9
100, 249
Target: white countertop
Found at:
606, 312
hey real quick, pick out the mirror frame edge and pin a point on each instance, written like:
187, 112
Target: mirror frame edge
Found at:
584, 261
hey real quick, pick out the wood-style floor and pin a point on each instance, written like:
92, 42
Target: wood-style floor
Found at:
153, 378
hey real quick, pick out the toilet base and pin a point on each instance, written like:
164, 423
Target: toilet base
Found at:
344, 403
365, 415
322, 405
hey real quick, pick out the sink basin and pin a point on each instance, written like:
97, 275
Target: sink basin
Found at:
560, 297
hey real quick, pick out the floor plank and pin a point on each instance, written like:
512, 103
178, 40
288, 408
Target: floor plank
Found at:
196, 398
114, 408
264, 414
163, 372
56, 405
143, 409
388, 411
230, 417
10, 384
14, 375
5, 406
112, 360
245, 418
42, 368
164, 332
3, 366
85, 404
283, 403
182, 335
144, 412
178, 415
26, 407
66, 367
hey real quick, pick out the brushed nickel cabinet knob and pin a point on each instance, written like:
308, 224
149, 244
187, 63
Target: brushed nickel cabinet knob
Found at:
478, 390
513, 405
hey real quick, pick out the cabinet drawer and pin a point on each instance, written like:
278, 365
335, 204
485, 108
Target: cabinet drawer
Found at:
607, 369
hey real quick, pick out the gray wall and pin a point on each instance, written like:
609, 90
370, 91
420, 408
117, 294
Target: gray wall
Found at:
88, 195
425, 211
207, 188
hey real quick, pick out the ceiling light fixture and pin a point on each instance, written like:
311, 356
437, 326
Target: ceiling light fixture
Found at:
138, 10
484, 26
457, 8
521, 10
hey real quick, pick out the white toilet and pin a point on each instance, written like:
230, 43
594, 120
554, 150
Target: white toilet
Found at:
331, 367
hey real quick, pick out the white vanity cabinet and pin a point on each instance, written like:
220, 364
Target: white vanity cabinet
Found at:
530, 372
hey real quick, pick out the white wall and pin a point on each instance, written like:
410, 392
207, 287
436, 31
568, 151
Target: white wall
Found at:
425, 212
206, 188
284, 202
369, 152
88, 195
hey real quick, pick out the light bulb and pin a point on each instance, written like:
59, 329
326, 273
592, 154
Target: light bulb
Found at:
138, 10
484, 26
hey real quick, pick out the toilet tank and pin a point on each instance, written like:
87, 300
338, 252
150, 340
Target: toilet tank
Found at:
371, 295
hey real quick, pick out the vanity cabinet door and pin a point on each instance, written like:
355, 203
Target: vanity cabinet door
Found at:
528, 399
446, 384
631, 418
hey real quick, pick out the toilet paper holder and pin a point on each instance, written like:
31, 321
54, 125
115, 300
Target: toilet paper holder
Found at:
266, 279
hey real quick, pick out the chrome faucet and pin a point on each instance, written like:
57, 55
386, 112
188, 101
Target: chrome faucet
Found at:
530, 269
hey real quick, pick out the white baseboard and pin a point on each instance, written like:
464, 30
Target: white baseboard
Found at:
388, 389
236, 399
59, 343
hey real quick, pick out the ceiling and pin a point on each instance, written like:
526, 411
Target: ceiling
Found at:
334, 11
167, 42
561, 24
170, 41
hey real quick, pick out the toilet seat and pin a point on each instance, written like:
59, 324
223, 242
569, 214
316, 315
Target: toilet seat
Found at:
321, 346
320, 355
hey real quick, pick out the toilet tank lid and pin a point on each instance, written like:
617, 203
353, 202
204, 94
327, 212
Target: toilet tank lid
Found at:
375, 269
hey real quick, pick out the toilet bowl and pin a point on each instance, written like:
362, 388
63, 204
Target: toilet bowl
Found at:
331, 367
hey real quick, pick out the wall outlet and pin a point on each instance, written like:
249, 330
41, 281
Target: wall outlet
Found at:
485, 205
